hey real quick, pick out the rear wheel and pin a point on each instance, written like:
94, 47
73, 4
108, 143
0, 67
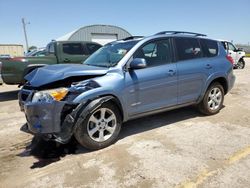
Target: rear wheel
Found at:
213, 99
241, 64
100, 128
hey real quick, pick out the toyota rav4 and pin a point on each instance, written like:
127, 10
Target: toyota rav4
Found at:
124, 80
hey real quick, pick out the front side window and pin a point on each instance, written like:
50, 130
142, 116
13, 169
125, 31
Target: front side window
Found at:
155, 53
73, 49
110, 54
188, 48
231, 47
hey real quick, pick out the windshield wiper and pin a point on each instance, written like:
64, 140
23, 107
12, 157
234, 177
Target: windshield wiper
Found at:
96, 65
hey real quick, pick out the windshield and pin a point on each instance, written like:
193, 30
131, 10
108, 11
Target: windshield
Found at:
110, 54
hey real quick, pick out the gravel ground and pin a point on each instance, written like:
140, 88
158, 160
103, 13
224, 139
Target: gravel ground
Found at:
180, 148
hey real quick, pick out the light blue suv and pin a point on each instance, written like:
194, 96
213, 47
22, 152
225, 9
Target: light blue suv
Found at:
124, 80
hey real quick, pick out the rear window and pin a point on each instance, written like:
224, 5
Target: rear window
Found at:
73, 49
188, 48
210, 47
51, 48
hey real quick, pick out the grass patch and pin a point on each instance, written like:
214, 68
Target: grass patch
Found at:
247, 55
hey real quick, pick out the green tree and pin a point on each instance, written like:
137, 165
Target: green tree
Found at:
32, 48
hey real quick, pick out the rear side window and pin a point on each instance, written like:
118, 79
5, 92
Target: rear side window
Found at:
188, 48
209, 47
93, 47
73, 49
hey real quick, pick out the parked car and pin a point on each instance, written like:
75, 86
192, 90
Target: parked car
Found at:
124, 80
5, 56
236, 53
14, 69
36, 53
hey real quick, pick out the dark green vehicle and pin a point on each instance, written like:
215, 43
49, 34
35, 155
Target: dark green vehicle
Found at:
13, 70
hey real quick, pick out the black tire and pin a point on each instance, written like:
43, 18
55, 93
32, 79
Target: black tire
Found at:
81, 132
241, 64
204, 106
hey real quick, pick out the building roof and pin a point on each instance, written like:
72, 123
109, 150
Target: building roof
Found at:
69, 35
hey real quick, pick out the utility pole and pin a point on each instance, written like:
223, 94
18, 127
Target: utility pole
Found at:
25, 33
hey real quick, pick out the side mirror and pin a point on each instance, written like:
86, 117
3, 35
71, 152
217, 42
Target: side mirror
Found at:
138, 63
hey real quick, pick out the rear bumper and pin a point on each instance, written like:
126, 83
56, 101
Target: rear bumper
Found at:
231, 80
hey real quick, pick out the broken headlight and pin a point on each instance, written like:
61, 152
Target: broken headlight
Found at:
83, 86
50, 95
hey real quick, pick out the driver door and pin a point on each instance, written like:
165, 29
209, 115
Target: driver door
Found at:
155, 86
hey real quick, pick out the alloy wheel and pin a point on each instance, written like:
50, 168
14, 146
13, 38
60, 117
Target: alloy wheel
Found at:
101, 124
214, 98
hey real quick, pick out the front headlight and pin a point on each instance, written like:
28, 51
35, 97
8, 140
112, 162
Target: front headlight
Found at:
50, 95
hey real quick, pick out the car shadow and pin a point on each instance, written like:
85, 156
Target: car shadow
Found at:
47, 152
158, 120
8, 95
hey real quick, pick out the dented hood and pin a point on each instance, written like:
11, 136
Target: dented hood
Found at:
53, 73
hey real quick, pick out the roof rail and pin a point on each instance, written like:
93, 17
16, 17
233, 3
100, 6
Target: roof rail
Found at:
132, 37
180, 32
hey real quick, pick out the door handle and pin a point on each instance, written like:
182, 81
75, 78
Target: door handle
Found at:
66, 60
171, 72
208, 66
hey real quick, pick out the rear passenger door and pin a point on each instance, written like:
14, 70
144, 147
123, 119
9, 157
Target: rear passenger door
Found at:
192, 68
73, 53
155, 86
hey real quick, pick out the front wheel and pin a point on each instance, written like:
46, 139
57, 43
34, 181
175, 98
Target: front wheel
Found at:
100, 128
241, 64
213, 99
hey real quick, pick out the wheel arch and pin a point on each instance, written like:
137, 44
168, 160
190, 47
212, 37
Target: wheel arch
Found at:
115, 100
242, 58
220, 79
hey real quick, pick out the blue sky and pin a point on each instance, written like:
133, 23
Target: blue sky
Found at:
49, 19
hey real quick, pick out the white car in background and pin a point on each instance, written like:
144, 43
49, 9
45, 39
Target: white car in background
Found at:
236, 53
36, 53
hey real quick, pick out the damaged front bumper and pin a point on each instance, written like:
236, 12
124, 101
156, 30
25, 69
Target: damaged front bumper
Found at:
52, 120
44, 118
